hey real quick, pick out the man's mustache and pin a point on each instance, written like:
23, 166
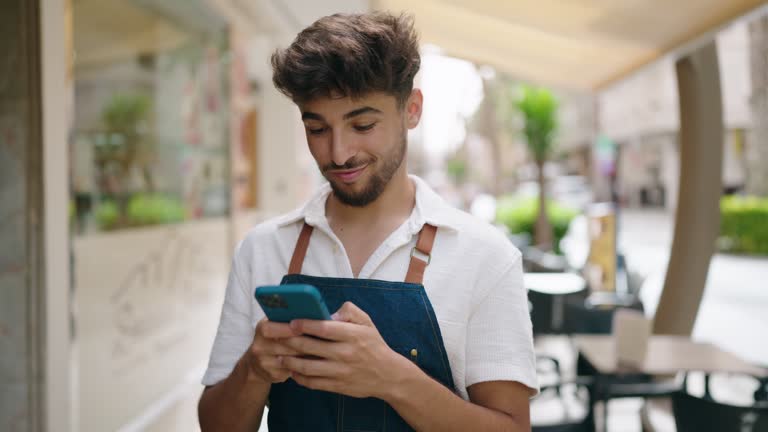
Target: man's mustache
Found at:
348, 166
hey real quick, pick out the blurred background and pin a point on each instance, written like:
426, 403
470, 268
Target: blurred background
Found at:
622, 146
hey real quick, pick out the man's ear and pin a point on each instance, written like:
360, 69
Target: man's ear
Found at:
413, 107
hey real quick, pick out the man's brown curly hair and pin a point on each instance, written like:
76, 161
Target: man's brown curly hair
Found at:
350, 55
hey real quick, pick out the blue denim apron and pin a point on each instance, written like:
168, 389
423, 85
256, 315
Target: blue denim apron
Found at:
402, 314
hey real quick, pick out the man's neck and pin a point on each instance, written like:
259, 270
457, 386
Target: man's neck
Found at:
393, 206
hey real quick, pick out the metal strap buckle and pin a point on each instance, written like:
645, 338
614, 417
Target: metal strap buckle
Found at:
421, 255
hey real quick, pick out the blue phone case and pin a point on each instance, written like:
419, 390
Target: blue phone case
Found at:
285, 303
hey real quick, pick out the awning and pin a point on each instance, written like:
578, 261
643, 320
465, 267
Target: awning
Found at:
573, 44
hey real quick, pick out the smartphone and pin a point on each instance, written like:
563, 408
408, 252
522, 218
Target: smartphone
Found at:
285, 303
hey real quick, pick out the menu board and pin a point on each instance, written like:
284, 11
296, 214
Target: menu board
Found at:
601, 264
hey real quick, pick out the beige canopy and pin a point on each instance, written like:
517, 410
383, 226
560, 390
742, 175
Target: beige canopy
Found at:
575, 44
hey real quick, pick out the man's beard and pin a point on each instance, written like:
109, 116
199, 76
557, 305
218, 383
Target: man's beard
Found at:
377, 181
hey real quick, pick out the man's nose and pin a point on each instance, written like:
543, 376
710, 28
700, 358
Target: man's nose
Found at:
342, 149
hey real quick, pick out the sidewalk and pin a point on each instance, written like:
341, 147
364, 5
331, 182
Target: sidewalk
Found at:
736, 296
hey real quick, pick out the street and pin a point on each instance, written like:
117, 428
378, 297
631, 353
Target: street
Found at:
733, 311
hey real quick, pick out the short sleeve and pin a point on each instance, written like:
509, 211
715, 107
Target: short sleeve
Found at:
236, 330
499, 335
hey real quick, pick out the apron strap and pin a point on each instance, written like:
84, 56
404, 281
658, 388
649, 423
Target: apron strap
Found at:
416, 268
297, 260
424, 244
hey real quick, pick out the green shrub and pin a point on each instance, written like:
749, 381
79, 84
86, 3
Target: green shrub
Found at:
519, 215
457, 169
744, 225
142, 209
107, 215
154, 209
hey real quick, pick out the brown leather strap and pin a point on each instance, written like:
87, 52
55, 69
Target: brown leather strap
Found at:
297, 260
415, 269
424, 245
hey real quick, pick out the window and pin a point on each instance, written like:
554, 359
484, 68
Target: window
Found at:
151, 117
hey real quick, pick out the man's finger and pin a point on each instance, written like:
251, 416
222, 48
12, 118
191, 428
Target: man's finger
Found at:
274, 369
329, 330
272, 349
280, 348
317, 383
305, 345
274, 364
313, 367
275, 330
349, 312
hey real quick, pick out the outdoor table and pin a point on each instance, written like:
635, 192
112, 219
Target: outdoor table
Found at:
666, 355
554, 283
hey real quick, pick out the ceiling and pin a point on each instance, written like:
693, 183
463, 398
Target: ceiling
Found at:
106, 31
573, 44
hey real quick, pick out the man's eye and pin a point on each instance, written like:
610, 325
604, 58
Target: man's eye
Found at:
316, 131
363, 128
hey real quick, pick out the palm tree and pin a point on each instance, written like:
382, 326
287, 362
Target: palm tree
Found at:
539, 109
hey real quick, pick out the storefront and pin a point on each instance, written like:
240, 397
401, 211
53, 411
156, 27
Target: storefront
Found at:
133, 156
150, 200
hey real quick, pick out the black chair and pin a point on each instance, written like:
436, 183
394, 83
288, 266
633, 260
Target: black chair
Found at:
566, 392
761, 394
548, 308
629, 385
704, 414
549, 312
594, 314
541, 312
566, 424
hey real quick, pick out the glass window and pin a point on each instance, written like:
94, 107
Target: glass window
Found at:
150, 133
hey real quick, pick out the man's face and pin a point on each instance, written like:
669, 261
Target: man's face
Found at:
359, 144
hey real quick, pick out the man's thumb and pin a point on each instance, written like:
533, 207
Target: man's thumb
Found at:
351, 313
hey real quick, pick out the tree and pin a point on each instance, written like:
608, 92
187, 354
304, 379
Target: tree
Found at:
539, 110
757, 147
124, 117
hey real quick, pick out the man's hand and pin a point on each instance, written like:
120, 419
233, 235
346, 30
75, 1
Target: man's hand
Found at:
351, 356
264, 357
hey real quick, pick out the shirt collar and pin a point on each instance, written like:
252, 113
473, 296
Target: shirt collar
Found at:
430, 208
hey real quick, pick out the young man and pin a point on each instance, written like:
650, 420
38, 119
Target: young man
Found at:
432, 330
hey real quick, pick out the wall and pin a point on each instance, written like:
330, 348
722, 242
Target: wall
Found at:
279, 137
147, 299
20, 179
286, 174
576, 120
642, 112
146, 315
647, 101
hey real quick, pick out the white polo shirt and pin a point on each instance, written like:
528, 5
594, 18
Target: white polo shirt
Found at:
474, 282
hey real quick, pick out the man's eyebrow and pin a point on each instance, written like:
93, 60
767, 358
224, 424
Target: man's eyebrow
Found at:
361, 111
307, 115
